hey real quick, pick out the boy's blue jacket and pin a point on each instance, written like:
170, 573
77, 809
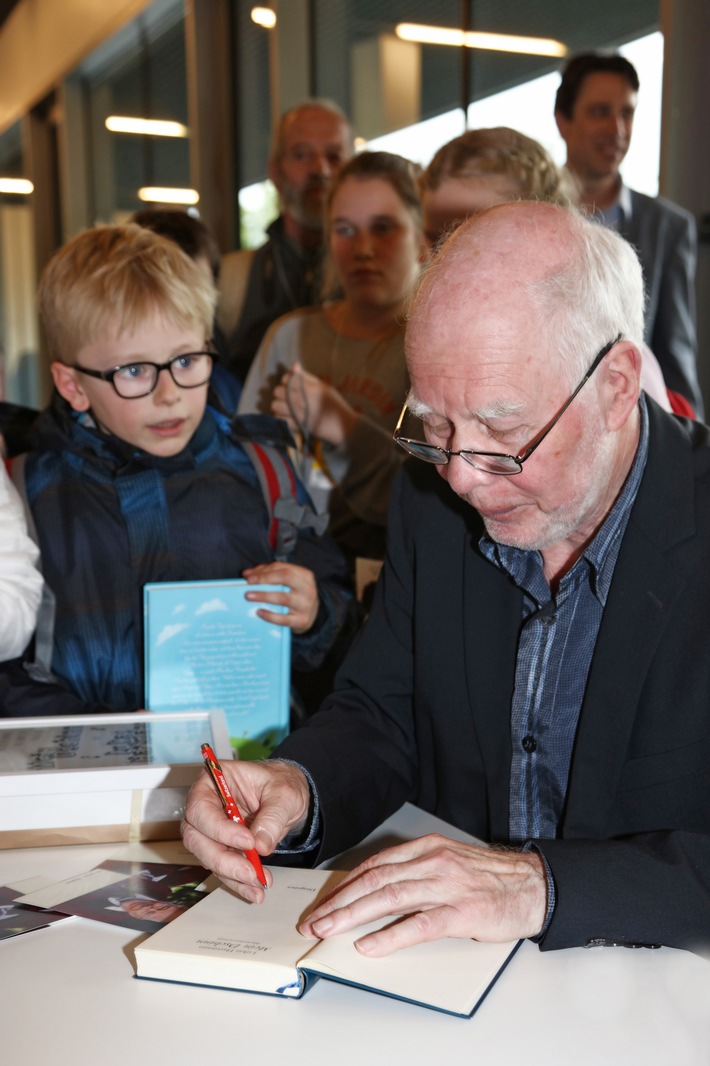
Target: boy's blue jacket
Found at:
110, 518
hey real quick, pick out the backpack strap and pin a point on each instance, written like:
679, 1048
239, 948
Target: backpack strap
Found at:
278, 485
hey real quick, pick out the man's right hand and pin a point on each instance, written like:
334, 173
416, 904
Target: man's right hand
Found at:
273, 798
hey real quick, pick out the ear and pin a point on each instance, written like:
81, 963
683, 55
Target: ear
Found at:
68, 385
622, 379
562, 124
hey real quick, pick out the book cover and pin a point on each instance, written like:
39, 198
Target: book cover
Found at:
206, 648
226, 943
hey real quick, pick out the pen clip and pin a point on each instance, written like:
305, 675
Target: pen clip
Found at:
218, 779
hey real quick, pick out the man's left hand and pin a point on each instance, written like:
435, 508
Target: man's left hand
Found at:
440, 888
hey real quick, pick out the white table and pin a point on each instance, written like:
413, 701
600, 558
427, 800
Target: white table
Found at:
68, 997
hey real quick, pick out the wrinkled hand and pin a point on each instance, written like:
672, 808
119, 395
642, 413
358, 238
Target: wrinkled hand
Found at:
273, 798
444, 889
301, 599
311, 406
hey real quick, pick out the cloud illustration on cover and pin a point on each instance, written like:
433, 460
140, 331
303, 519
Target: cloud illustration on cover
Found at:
211, 605
170, 631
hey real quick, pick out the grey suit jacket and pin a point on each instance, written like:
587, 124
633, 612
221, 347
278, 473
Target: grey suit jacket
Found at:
421, 709
664, 235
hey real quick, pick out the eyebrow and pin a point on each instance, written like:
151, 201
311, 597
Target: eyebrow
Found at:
314, 146
383, 217
497, 409
416, 406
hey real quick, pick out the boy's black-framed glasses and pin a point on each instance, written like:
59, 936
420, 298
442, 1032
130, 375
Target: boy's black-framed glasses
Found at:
189, 370
491, 462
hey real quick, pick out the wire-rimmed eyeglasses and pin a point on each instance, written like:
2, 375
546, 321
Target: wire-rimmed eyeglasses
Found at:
491, 462
189, 370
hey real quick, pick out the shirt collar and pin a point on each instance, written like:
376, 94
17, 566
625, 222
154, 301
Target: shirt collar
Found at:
624, 202
602, 552
525, 567
618, 215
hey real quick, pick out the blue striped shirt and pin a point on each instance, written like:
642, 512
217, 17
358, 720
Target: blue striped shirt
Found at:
556, 643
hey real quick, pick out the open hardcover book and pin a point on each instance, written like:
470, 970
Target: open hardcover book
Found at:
227, 943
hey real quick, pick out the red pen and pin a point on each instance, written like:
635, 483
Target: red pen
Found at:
229, 803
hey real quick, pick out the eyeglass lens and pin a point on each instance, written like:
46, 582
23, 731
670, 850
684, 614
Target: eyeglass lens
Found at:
492, 464
188, 371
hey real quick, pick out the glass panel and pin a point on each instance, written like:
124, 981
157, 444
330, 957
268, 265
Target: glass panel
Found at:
518, 90
258, 203
140, 73
19, 339
89, 742
581, 27
254, 102
381, 82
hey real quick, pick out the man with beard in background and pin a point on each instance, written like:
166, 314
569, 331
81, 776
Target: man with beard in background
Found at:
310, 143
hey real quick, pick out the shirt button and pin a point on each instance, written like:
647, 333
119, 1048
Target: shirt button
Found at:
529, 744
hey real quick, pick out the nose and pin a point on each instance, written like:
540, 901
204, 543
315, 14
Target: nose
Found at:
363, 244
166, 391
462, 477
616, 127
320, 164
622, 128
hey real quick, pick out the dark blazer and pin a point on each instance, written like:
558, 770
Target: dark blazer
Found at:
421, 710
664, 235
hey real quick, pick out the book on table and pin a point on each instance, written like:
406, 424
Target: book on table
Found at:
226, 943
206, 648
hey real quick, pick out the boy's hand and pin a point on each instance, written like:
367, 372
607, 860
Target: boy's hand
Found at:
301, 598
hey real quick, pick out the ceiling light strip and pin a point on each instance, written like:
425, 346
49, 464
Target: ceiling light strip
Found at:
153, 194
146, 126
16, 186
495, 42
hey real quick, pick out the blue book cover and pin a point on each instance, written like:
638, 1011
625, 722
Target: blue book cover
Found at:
206, 649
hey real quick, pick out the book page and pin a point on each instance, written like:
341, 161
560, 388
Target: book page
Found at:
450, 975
226, 942
447, 974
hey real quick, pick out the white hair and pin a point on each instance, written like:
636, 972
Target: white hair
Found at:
595, 295
582, 291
